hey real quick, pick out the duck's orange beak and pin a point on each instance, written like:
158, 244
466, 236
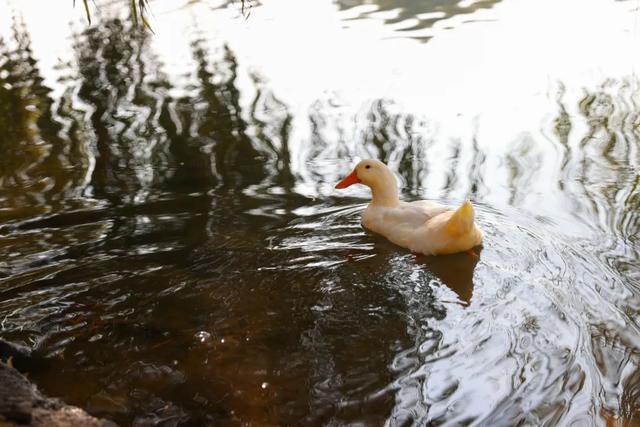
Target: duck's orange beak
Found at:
350, 179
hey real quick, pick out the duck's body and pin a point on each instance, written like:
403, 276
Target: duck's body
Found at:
421, 227
425, 227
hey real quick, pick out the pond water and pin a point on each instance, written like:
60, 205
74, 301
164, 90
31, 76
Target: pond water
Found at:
172, 247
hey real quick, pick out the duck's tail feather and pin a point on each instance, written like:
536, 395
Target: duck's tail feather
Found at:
461, 221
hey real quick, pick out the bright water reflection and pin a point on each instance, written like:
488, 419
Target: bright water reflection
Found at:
172, 246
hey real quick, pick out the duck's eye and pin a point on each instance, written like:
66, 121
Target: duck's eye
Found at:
368, 167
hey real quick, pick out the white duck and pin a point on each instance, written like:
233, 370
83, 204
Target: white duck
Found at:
422, 226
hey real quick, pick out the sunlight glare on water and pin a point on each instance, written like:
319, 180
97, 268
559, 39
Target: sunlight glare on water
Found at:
173, 248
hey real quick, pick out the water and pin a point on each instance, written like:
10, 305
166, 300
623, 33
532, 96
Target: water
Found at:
172, 247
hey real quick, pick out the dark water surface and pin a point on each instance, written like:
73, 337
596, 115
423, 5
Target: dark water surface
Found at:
172, 247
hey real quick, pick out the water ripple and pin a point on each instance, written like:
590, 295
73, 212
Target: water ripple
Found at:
188, 223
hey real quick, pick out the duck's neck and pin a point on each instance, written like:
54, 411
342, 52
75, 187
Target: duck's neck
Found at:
385, 195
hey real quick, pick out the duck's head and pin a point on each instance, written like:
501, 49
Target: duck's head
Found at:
372, 173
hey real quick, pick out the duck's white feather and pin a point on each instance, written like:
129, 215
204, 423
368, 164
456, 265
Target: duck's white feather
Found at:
423, 226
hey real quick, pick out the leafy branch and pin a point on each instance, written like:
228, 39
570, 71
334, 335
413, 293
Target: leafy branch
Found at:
139, 11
